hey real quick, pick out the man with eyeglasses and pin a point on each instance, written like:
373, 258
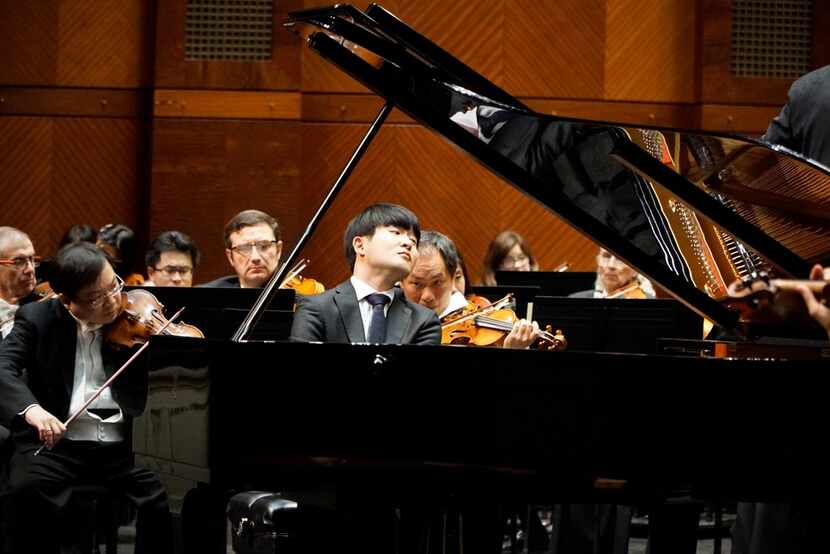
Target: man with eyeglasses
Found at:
170, 260
60, 345
17, 274
253, 248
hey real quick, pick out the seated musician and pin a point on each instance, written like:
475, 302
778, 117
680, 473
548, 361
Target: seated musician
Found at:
170, 260
507, 252
431, 283
60, 346
17, 275
616, 280
253, 248
381, 247
120, 245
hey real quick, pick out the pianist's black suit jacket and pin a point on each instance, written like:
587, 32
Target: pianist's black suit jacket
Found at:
43, 343
334, 316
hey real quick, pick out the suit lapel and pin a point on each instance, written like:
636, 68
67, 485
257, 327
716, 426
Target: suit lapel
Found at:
346, 300
398, 319
67, 341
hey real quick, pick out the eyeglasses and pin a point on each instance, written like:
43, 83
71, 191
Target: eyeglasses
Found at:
262, 246
21, 261
182, 270
98, 300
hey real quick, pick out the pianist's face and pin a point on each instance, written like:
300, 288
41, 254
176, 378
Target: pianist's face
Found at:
429, 284
254, 254
391, 250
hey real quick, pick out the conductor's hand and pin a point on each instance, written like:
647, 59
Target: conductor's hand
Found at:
522, 335
49, 428
816, 309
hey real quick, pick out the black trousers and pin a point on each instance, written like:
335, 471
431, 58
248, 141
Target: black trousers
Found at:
40, 488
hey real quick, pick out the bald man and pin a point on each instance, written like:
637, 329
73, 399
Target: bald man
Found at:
17, 274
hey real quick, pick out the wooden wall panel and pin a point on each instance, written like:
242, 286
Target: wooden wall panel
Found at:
28, 42
554, 48
172, 70
206, 171
651, 50
62, 171
105, 43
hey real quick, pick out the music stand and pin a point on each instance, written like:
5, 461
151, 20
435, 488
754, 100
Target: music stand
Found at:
550, 283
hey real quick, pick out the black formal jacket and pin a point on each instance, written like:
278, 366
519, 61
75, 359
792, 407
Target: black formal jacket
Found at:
802, 125
43, 343
334, 316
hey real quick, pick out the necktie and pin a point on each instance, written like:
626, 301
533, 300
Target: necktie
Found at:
377, 324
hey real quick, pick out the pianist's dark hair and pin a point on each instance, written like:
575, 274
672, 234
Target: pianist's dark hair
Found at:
171, 241
444, 246
378, 215
76, 265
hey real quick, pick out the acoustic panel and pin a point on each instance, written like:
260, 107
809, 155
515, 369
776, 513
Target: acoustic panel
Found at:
238, 30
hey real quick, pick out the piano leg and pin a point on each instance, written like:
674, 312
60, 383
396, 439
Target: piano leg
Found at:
204, 522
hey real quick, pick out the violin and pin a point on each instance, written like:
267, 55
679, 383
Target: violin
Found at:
142, 315
632, 291
760, 299
482, 323
44, 291
305, 286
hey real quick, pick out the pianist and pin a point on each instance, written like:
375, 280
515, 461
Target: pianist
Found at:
59, 344
253, 248
381, 247
431, 284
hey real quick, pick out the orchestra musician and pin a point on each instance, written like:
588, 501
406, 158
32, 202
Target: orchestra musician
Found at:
60, 346
507, 252
120, 245
253, 248
17, 275
381, 247
615, 279
171, 259
431, 284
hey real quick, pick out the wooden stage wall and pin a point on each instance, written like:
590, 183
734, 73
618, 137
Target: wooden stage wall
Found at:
102, 118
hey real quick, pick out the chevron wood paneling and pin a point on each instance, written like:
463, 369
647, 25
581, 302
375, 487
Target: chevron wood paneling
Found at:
554, 48
28, 41
62, 171
206, 171
25, 176
105, 43
651, 50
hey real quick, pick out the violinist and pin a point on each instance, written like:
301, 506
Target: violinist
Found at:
381, 247
17, 275
171, 259
432, 284
253, 248
120, 245
59, 344
615, 279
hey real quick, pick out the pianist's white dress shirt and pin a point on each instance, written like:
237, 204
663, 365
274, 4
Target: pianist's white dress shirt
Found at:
363, 290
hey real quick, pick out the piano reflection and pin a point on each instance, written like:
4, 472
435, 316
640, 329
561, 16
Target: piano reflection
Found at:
692, 211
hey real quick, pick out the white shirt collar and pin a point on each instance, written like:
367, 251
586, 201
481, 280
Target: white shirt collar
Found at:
362, 289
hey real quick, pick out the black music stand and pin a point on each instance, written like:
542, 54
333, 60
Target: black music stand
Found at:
550, 283
219, 311
522, 295
617, 325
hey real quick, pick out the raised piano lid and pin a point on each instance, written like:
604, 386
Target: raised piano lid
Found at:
691, 210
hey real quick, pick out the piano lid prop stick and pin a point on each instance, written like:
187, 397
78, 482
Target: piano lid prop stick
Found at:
112, 378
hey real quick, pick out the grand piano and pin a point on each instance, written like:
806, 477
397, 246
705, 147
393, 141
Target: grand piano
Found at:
693, 211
